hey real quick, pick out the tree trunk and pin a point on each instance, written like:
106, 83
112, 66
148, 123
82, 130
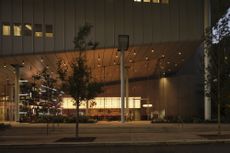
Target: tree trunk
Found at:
87, 108
77, 119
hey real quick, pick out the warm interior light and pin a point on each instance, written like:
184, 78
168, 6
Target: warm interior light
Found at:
28, 26
6, 29
147, 105
156, 1
116, 55
102, 103
17, 30
164, 1
134, 53
98, 58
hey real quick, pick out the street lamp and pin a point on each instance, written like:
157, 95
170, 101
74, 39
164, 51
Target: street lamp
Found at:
123, 45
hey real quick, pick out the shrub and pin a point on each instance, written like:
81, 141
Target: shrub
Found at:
4, 126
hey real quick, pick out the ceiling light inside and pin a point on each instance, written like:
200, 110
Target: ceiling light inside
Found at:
98, 58
116, 55
134, 53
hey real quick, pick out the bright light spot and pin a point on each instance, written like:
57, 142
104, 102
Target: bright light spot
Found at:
219, 31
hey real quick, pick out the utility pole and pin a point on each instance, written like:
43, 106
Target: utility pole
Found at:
207, 84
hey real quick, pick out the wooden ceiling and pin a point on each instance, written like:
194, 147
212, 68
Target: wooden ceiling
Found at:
143, 61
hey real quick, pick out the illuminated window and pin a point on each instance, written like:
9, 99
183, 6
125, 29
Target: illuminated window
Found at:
6, 29
17, 29
49, 31
147, 1
27, 29
156, 1
38, 30
137, 0
103, 103
164, 1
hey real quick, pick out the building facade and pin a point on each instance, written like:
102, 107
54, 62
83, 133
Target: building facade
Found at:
164, 38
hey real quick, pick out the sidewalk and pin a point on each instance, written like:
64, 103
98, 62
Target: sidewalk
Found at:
113, 133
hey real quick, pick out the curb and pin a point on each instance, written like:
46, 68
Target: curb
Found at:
112, 144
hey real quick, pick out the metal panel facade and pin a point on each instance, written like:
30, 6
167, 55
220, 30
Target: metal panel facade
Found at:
146, 23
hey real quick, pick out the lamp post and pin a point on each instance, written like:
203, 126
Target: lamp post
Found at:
123, 45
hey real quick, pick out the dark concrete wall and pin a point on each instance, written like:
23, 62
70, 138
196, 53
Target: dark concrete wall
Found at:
180, 20
175, 95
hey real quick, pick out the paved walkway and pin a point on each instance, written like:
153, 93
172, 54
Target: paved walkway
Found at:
106, 133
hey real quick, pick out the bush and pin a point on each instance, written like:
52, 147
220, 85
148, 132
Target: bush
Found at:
4, 126
56, 119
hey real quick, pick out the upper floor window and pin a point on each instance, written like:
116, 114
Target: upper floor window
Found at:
153, 1
49, 30
17, 29
164, 1
156, 1
137, 0
27, 29
6, 29
38, 30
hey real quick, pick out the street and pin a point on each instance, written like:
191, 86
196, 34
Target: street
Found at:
70, 148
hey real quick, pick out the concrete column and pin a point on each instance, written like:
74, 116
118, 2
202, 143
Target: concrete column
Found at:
207, 85
122, 53
127, 89
17, 91
11, 102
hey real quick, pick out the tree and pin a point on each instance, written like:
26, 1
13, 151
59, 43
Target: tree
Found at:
218, 45
78, 83
46, 93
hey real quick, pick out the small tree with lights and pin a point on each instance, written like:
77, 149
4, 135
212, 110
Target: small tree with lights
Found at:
78, 83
